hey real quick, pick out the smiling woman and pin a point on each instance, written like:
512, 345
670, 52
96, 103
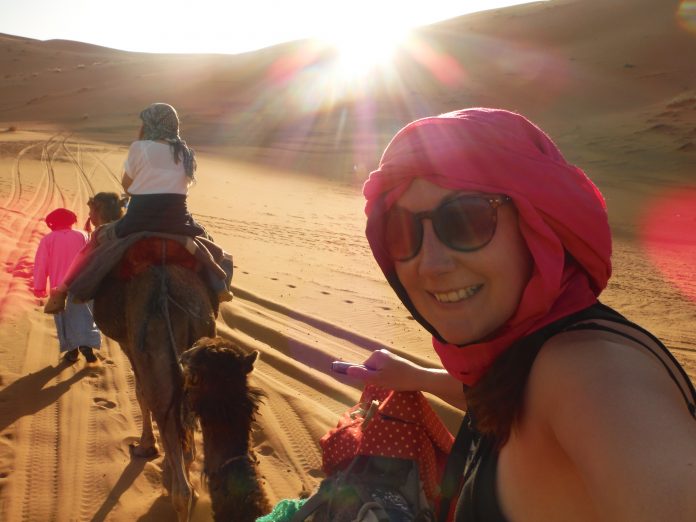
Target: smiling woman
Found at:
561, 395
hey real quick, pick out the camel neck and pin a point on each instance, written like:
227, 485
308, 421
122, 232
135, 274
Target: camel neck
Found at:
223, 440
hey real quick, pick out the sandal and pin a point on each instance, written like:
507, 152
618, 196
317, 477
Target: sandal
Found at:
56, 302
87, 351
225, 296
71, 356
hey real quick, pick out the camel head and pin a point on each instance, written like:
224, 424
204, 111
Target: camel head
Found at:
216, 374
217, 392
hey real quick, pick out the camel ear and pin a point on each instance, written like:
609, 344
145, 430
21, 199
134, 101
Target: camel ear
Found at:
249, 361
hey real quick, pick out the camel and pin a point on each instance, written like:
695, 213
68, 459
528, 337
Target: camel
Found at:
155, 316
217, 392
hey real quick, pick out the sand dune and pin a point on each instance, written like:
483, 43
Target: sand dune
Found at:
613, 83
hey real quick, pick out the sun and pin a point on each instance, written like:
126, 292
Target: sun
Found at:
360, 51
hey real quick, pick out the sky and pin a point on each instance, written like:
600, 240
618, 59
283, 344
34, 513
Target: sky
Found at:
223, 26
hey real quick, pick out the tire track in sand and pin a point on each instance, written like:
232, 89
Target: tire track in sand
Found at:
76, 433
85, 189
16, 179
25, 231
37, 465
100, 161
48, 191
64, 427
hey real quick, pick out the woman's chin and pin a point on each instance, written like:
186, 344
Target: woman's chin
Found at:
459, 338
457, 335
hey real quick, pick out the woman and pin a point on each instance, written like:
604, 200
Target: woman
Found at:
158, 172
500, 248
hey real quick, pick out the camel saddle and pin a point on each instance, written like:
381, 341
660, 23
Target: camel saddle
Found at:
154, 251
140, 250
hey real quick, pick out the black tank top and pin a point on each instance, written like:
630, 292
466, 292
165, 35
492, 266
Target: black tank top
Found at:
473, 461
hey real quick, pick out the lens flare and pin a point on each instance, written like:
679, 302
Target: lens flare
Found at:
441, 65
668, 235
686, 15
359, 56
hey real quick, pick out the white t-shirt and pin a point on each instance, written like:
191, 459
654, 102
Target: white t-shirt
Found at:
151, 167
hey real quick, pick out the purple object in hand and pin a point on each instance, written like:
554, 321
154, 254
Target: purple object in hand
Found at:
342, 366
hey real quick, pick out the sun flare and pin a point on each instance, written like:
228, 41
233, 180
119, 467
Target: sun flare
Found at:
360, 51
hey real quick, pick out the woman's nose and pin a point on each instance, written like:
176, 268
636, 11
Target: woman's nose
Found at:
435, 257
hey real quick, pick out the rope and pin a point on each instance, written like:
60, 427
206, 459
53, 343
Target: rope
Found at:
164, 299
183, 309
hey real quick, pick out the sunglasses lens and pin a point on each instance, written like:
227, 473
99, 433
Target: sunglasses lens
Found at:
465, 223
402, 234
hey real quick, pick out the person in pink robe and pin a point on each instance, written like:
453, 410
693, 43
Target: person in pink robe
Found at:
75, 326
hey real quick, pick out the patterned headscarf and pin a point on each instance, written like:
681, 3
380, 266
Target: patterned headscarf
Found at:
562, 216
161, 122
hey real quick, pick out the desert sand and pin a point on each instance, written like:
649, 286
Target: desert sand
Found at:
282, 154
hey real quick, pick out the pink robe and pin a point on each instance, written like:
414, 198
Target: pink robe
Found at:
75, 325
54, 255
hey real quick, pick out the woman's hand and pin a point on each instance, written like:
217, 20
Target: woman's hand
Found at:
388, 370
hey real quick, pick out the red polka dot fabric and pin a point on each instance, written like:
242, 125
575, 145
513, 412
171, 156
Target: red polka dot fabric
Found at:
401, 425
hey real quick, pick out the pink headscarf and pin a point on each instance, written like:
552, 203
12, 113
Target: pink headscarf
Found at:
562, 216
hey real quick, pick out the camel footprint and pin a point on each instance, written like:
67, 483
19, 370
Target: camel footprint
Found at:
316, 473
104, 403
265, 450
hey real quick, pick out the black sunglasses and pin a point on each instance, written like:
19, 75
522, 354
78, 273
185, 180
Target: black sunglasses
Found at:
464, 223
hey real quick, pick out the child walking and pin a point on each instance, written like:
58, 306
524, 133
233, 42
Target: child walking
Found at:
75, 325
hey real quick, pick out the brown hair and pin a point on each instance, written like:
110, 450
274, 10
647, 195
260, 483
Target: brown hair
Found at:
496, 401
108, 205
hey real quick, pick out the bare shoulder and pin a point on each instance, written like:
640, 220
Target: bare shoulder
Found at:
592, 368
612, 409
593, 350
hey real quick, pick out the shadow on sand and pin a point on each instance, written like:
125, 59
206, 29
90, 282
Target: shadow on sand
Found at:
27, 395
128, 476
161, 509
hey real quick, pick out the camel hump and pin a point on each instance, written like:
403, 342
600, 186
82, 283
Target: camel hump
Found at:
155, 251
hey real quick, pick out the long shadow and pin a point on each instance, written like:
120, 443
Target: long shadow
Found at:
161, 509
128, 476
27, 394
